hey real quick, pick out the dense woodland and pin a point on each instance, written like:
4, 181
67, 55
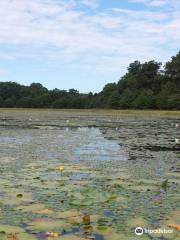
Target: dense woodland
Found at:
146, 85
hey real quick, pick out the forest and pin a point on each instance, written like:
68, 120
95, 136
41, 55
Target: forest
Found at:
146, 85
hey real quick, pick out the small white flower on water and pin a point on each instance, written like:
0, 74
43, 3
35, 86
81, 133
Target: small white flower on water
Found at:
67, 121
177, 125
176, 140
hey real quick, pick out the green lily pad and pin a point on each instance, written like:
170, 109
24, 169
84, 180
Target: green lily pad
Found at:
11, 229
51, 225
34, 208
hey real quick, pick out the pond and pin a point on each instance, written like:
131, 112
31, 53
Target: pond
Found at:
86, 178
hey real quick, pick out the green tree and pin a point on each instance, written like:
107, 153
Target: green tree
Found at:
1, 101
144, 100
126, 99
9, 102
114, 99
36, 89
172, 68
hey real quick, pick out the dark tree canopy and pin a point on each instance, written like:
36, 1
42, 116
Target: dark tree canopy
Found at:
144, 86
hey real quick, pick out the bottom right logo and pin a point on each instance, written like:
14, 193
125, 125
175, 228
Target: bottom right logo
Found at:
139, 231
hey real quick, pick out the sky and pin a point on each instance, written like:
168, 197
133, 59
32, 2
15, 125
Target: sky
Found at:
83, 44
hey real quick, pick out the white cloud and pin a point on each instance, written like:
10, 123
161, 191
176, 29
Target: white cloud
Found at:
90, 3
106, 39
158, 3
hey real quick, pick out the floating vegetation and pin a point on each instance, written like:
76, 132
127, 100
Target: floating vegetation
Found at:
97, 182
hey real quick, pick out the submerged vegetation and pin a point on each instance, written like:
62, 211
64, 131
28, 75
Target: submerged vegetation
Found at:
144, 86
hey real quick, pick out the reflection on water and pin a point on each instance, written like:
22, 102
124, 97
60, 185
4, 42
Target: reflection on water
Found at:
76, 144
95, 147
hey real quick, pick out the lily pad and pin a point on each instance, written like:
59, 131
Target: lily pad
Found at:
48, 226
34, 208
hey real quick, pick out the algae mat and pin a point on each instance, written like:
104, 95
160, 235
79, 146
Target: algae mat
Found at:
70, 175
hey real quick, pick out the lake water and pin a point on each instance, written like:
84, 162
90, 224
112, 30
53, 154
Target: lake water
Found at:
119, 172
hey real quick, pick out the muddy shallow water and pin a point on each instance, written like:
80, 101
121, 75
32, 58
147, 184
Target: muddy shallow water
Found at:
88, 175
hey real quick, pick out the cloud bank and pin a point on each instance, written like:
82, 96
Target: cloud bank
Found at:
84, 32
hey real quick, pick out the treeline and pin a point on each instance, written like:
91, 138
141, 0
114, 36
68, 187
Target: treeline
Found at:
145, 86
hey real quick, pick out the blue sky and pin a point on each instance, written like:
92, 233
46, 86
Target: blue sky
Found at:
83, 44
